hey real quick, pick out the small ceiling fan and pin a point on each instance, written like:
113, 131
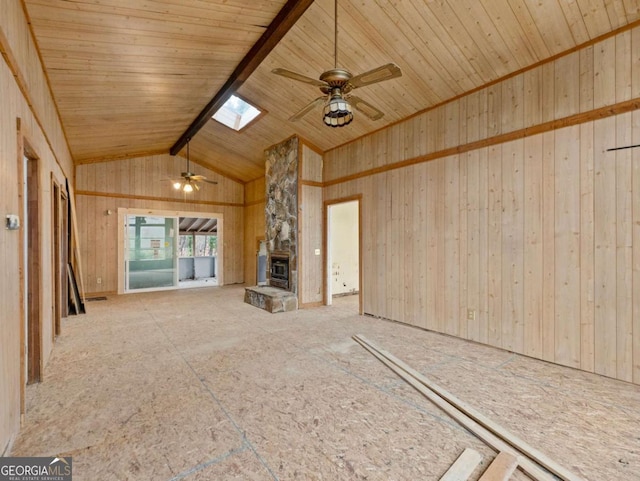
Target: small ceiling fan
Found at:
336, 85
190, 180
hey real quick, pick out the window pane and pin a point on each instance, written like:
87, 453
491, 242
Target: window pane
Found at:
206, 245
185, 246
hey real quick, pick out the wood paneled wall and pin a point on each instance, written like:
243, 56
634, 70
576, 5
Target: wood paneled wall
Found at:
143, 183
254, 230
310, 226
568, 88
24, 95
538, 235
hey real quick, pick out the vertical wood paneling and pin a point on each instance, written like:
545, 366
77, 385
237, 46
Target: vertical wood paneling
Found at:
636, 246
463, 247
473, 243
483, 243
395, 255
605, 248
624, 249
549, 253
587, 279
567, 96
494, 248
532, 85
310, 212
533, 246
567, 245
410, 219
311, 223
512, 105
635, 63
451, 201
419, 258
604, 63
432, 294
512, 229
253, 227
586, 79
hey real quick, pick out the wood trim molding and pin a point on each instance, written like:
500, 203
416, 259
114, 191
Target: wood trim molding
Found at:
277, 29
127, 155
149, 197
255, 202
576, 119
311, 183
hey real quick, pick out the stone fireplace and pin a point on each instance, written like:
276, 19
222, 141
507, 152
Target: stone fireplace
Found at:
281, 214
281, 230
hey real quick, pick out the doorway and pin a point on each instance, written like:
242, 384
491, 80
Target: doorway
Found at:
32, 267
344, 246
161, 250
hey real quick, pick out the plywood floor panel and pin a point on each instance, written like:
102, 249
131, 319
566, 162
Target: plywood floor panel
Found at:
195, 384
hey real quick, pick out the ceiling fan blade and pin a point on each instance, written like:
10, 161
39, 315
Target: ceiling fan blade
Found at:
214, 182
308, 108
197, 178
299, 77
380, 74
365, 107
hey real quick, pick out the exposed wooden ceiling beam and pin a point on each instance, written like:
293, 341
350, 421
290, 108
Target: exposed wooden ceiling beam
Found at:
277, 29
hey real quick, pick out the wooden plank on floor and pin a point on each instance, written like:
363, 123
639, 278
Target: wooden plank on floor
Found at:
496, 436
463, 467
501, 468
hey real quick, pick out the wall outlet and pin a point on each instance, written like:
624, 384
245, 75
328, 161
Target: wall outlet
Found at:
471, 314
99, 280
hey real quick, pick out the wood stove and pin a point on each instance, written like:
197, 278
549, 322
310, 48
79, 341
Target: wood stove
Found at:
280, 270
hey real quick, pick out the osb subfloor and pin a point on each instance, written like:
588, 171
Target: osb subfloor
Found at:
197, 385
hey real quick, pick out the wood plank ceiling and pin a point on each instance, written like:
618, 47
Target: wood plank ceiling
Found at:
129, 76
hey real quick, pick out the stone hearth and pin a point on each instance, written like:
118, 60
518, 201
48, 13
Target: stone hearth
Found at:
271, 299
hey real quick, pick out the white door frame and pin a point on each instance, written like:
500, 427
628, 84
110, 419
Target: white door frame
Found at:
327, 241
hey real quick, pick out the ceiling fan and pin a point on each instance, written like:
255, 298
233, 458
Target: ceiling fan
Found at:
190, 180
336, 85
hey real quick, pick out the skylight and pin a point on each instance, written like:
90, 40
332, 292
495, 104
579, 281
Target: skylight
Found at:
236, 113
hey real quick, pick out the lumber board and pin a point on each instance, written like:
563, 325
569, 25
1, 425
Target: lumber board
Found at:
492, 433
501, 468
463, 467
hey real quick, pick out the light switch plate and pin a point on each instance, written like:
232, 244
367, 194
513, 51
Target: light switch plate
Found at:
13, 222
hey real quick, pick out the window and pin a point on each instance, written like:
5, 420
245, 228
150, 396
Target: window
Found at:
206, 245
185, 245
197, 245
237, 113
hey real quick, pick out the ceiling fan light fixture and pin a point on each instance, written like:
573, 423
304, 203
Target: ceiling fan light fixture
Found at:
337, 112
187, 187
177, 185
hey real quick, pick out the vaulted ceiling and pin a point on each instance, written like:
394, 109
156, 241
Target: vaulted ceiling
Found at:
130, 76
